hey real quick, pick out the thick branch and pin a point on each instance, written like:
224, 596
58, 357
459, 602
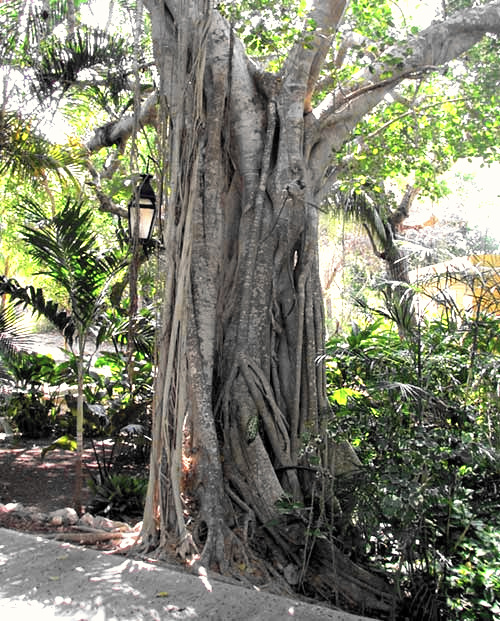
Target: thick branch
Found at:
441, 42
106, 204
117, 132
303, 66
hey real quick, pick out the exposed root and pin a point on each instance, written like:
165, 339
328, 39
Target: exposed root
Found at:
333, 577
90, 539
187, 548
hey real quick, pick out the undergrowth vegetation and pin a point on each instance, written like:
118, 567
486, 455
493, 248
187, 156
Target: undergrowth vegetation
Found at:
422, 412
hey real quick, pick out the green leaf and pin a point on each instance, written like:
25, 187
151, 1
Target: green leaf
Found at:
65, 443
341, 395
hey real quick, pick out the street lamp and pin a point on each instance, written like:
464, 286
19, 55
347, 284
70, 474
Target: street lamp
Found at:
142, 211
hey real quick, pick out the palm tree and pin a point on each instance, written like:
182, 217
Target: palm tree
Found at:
381, 224
67, 249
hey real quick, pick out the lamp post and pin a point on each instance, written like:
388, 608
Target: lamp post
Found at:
142, 211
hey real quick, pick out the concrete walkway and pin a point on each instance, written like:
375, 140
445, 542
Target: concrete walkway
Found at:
42, 580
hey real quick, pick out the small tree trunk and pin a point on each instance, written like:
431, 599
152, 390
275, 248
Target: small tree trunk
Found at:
77, 502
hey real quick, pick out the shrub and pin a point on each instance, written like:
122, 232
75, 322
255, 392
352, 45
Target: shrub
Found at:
118, 496
422, 415
32, 414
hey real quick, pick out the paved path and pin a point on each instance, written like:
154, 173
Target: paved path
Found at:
44, 580
52, 343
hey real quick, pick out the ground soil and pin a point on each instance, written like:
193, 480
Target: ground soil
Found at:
46, 484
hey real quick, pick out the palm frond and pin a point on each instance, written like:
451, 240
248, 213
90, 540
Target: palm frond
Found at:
67, 250
14, 335
358, 207
399, 302
143, 336
26, 153
34, 299
407, 391
59, 64
40, 21
10, 13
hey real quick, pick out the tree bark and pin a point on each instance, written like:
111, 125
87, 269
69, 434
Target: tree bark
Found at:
240, 411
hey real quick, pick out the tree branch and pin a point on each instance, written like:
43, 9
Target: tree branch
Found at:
339, 112
117, 132
303, 66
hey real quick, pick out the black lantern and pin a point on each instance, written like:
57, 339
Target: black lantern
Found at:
142, 210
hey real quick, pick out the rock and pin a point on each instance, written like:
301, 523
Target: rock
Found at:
63, 516
14, 507
56, 520
103, 523
25, 512
291, 574
38, 516
87, 519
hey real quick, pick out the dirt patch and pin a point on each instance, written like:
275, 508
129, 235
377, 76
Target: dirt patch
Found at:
26, 478
46, 484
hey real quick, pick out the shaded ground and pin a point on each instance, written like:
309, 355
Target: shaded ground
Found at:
76, 584
47, 484
43, 579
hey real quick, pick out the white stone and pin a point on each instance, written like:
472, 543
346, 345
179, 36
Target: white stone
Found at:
104, 523
67, 515
87, 519
14, 506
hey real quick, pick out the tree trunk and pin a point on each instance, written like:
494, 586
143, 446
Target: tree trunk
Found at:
242, 466
77, 501
241, 387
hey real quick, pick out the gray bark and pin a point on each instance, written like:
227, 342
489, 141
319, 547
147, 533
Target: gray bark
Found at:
239, 384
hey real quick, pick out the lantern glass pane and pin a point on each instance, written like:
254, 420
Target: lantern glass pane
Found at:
146, 212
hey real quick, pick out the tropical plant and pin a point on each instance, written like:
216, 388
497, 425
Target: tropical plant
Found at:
68, 251
117, 490
24, 152
420, 413
119, 496
32, 409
